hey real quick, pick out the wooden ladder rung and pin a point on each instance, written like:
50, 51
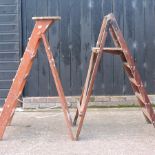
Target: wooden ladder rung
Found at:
127, 65
139, 96
133, 81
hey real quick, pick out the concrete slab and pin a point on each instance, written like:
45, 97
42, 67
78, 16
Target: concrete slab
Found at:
106, 132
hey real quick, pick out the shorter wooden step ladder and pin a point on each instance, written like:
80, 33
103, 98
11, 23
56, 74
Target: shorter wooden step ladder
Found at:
109, 24
38, 33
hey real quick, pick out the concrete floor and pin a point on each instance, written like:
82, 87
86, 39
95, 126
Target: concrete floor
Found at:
106, 132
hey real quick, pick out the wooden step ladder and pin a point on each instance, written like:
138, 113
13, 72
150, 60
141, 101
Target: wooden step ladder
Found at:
38, 33
110, 25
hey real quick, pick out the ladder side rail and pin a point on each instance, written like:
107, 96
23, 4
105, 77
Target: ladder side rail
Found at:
19, 80
58, 86
90, 68
92, 78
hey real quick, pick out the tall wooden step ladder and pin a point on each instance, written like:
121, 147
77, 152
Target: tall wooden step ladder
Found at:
38, 33
110, 25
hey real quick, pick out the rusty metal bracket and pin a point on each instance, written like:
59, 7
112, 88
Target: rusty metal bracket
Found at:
38, 33
121, 49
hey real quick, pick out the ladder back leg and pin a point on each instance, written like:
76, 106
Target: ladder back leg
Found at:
58, 86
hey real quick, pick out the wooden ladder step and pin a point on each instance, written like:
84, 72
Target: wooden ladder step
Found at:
139, 96
133, 81
127, 65
128, 69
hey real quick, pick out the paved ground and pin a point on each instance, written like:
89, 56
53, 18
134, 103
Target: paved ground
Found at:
105, 132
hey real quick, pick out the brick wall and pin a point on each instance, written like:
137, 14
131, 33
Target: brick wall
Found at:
95, 101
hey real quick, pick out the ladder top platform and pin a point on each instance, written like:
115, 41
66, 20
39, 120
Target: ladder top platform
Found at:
47, 18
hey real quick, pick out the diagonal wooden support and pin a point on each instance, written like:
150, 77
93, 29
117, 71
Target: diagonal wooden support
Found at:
110, 25
38, 33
